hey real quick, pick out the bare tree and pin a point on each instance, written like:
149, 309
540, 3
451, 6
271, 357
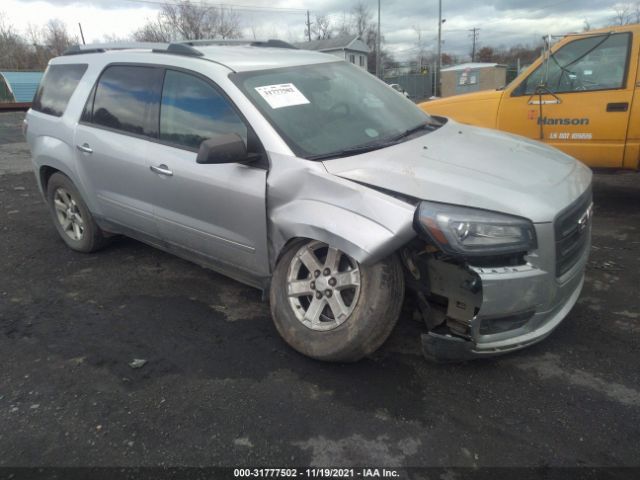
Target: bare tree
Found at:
115, 38
386, 59
485, 54
189, 21
50, 40
153, 31
635, 14
361, 19
56, 37
14, 52
228, 23
359, 22
39, 51
344, 26
321, 28
526, 54
622, 15
419, 46
449, 59
34, 50
625, 13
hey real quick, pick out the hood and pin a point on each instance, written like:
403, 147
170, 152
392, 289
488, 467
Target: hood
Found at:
478, 108
475, 167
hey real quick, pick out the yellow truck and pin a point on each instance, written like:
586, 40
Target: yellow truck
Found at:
581, 96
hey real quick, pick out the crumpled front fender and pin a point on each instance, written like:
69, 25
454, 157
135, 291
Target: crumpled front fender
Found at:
305, 201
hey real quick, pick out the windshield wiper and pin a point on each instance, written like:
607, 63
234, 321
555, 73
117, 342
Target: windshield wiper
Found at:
369, 147
407, 133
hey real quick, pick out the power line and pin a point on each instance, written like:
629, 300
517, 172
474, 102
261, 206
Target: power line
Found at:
254, 8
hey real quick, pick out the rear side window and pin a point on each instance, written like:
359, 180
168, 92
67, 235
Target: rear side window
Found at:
127, 98
193, 111
57, 85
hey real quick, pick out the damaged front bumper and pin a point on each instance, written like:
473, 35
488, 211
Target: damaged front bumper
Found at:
513, 307
452, 348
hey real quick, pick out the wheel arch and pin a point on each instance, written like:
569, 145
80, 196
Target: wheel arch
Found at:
44, 174
305, 201
362, 238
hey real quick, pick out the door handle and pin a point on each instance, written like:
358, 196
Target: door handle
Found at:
84, 148
161, 169
617, 107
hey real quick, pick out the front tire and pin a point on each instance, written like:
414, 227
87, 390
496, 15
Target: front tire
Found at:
71, 216
329, 307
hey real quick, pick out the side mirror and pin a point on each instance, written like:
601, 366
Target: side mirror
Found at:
227, 148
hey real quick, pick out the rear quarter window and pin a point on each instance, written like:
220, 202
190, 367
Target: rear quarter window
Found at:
57, 85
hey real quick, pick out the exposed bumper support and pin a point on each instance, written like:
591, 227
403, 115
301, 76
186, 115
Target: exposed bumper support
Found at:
449, 348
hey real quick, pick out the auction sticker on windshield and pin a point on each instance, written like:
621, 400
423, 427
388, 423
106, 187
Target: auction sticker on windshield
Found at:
283, 95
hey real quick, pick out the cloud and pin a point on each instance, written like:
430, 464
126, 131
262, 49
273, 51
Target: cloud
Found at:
501, 22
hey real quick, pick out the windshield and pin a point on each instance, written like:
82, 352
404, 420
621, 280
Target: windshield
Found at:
331, 109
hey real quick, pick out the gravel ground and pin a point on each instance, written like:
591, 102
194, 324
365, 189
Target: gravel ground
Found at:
219, 387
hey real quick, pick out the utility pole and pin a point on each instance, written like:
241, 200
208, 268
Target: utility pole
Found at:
439, 59
378, 56
308, 26
475, 33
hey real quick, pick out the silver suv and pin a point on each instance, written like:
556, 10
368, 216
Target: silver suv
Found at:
310, 179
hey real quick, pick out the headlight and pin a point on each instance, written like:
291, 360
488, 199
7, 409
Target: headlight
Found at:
473, 232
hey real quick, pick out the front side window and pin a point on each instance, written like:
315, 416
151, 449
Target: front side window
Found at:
326, 109
57, 85
192, 111
127, 99
352, 58
596, 62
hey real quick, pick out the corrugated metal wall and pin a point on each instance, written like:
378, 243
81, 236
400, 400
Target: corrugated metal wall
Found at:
418, 86
22, 84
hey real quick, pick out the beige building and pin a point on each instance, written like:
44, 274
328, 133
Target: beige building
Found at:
472, 77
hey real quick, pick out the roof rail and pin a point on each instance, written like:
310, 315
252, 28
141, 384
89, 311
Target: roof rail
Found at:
174, 48
252, 43
184, 47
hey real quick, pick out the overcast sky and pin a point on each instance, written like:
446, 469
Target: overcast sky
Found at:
501, 22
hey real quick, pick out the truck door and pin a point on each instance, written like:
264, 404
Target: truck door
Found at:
632, 149
578, 100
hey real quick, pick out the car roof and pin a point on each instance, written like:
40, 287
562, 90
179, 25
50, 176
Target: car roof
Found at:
242, 58
236, 56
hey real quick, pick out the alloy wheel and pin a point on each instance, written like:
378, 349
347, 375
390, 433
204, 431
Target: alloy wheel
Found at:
323, 286
68, 214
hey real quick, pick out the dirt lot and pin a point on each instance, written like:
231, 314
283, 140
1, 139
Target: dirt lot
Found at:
221, 388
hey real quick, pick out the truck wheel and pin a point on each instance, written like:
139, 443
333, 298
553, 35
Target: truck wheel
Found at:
329, 307
71, 216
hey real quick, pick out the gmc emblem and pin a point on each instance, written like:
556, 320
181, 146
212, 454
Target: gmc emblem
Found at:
583, 221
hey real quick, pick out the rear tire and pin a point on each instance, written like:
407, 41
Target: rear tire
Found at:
367, 299
71, 217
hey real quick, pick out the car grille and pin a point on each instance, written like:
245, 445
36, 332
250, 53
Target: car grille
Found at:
572, 232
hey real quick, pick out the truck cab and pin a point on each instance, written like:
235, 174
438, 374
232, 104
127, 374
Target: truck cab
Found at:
580, 96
